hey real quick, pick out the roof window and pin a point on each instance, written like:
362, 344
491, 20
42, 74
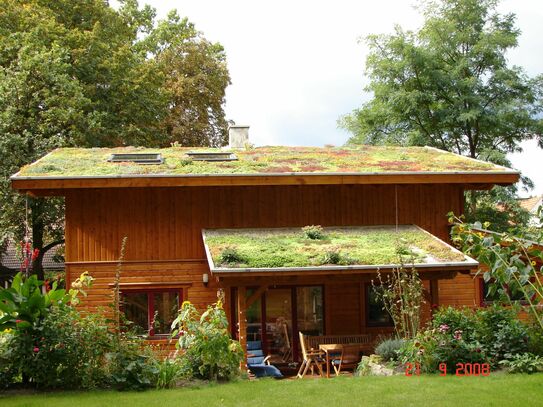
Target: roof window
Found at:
138, 158
211, 156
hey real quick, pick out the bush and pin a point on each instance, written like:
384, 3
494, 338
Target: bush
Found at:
502, 334
458, 319
331, 258
230, 256
523, 363
209, 353
313, 232
62, 350
132, 365
388, 349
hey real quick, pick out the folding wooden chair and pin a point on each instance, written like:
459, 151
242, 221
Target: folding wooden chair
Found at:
311, 357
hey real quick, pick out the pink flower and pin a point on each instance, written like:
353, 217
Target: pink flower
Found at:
36, 349
443, 328
458, 334
18, 321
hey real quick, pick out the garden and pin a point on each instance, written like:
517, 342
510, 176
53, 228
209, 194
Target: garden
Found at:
51, 351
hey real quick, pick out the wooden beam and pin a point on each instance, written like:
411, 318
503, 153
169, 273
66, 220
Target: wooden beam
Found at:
242, 322
256, 295
57, 183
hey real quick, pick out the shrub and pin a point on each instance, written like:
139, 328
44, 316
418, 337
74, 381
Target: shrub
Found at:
332, 257
502, 334
132, 365
313, 232
388, 349
230, 256
523, 363
64, 350
458, 319
209, 353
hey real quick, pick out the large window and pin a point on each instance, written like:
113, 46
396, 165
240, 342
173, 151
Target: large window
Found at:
488, 298
375, 314
151, 311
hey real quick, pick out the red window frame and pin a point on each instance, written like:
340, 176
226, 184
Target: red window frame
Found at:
151, 305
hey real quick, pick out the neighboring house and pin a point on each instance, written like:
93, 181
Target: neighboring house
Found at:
11, 260
184, 212
532, 204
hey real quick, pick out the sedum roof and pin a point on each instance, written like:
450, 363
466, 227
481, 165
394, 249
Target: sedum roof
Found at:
93, 162
361, 247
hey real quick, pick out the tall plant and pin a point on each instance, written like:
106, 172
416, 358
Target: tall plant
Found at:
401, 293
513, 261
209, 352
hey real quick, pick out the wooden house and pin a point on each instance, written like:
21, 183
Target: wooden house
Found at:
187, 213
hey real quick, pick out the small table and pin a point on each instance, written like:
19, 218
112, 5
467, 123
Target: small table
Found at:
330, 349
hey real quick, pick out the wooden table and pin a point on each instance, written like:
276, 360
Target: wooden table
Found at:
330, 349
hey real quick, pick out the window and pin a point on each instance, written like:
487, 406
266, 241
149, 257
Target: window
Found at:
375, 314
138, 158
151, 311
211, 156
488, 298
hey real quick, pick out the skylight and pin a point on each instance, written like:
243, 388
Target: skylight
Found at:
211, 156
138, 158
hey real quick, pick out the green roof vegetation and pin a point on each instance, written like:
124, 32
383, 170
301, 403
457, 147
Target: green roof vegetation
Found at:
73, 162
315, 246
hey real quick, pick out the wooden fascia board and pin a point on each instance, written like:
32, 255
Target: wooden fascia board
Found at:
54, 184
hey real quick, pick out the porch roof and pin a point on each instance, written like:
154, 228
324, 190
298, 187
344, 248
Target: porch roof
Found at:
341, 250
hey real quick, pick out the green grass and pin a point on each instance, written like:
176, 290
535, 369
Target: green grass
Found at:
341, 246
495, 390
262, 160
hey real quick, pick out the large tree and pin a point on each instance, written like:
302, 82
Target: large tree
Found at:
81, 73
449, 84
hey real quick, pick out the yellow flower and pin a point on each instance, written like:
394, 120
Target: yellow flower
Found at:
533, 263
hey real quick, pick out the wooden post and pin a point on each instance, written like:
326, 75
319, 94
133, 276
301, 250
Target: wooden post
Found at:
242, 321
434, 295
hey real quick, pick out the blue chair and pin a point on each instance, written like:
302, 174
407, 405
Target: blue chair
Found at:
259, 364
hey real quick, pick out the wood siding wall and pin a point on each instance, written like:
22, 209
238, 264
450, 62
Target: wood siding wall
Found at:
163, 226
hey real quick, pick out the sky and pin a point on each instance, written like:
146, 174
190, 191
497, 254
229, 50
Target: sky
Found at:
298, 65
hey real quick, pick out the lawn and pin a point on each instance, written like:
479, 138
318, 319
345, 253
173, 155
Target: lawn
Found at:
496, 390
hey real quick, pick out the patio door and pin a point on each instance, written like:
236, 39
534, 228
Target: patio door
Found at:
280, 314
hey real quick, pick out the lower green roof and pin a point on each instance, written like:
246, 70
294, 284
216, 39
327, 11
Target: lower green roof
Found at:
352, 247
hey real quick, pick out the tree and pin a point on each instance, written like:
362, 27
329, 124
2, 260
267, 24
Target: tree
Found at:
81, 73
449, 85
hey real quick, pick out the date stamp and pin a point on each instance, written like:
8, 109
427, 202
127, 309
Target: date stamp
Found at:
462, 369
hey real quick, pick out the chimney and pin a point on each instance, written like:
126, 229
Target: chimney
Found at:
238, 136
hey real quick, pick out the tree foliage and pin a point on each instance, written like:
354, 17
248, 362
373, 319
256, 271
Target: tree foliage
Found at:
449, 84
81, 73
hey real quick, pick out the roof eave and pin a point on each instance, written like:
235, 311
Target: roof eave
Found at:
483, 178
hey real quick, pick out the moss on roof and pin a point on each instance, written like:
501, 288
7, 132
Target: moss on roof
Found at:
73, 162
363, 246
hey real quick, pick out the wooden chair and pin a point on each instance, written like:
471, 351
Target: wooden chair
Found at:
311, 358
349, 359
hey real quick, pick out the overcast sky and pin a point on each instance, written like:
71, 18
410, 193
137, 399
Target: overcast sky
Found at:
298, 65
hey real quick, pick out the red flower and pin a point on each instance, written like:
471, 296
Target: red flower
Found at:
434, 306
35, 254
36, 349
18, 321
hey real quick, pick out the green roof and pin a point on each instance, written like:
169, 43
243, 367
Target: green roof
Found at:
372, 247
93, 162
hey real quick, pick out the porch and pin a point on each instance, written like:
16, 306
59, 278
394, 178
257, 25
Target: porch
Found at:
280, 283
329, 310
